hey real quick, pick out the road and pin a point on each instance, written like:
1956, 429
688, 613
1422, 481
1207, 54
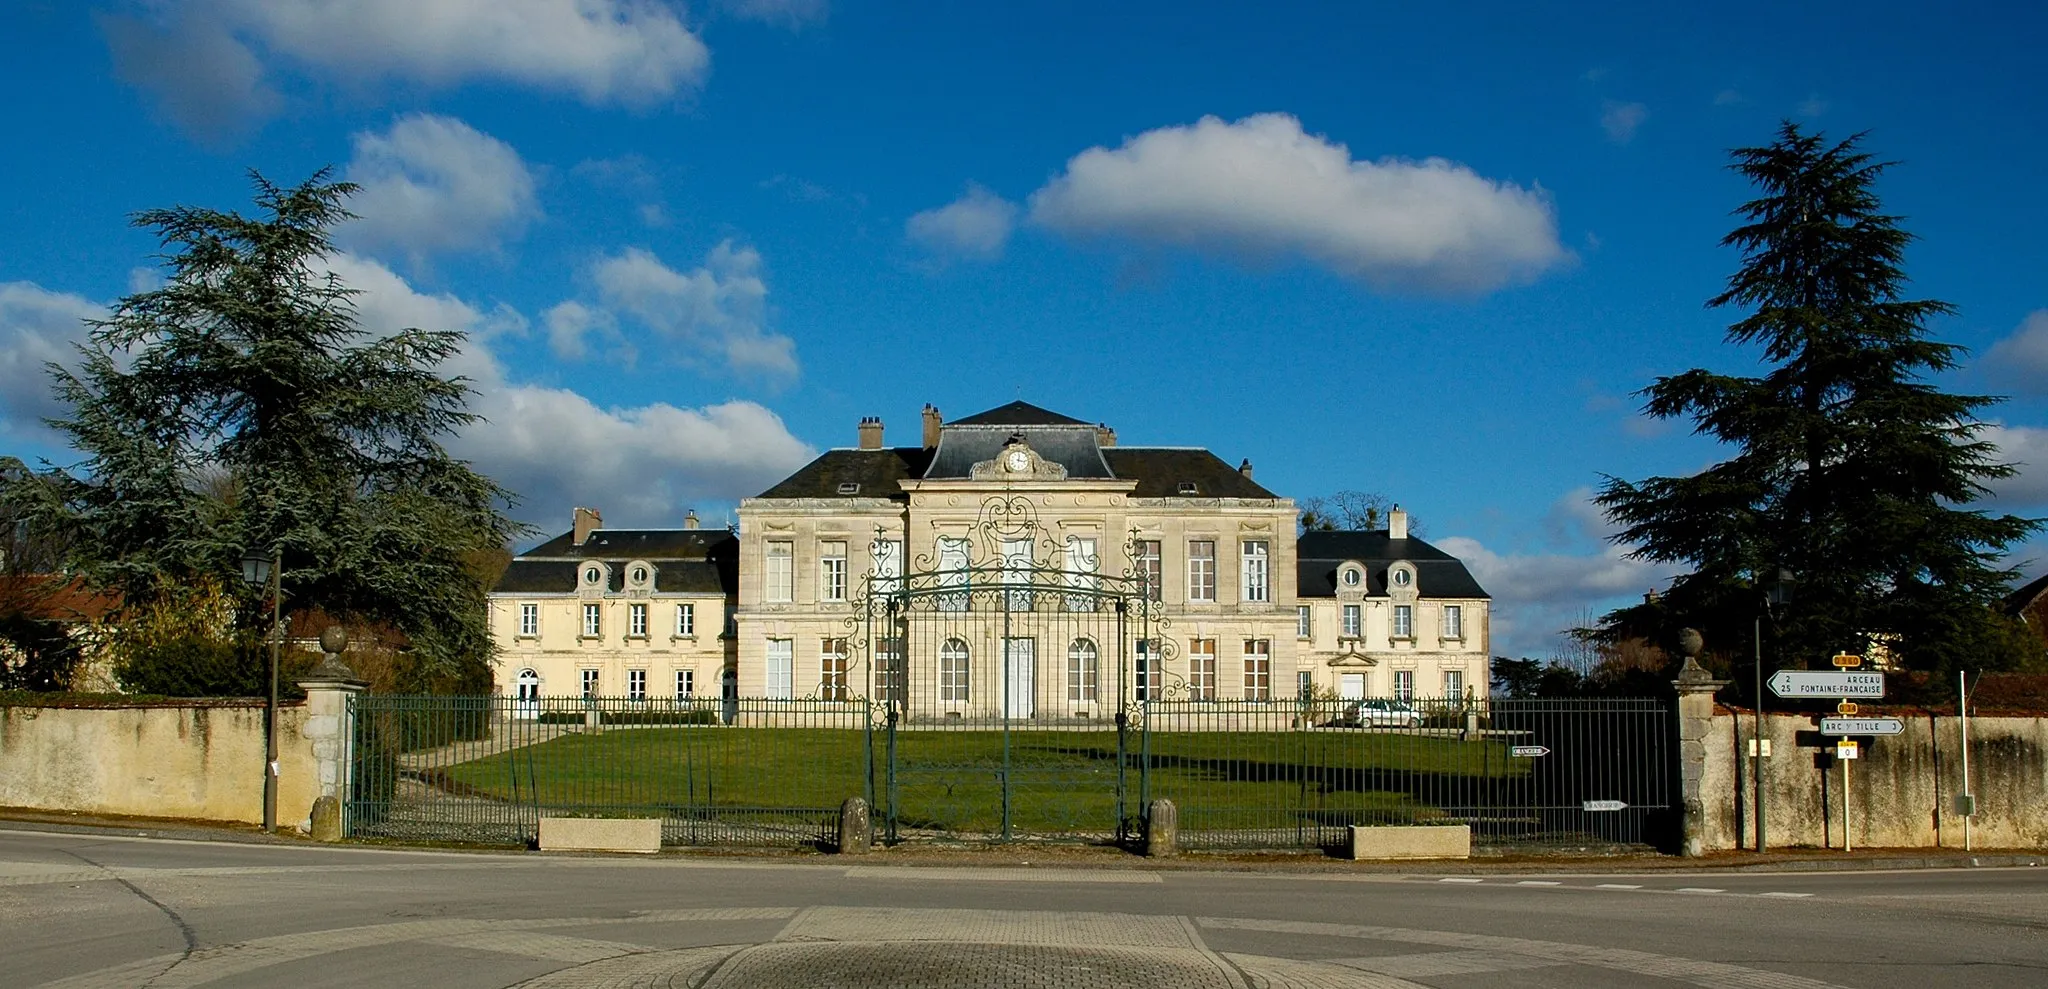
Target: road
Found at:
91, 910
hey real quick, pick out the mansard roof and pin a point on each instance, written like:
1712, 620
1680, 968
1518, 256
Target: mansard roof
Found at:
1437, 574
1075, 449
1018, 414
854, 474
686, 561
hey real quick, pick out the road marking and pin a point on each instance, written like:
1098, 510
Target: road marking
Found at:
1619, 886
1538, 882
1786, 895
999, 875
1698, 889
1461, 880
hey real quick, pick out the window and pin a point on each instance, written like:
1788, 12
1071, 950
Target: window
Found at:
589, 684
1149, 569
1081, 565
1454, 621
832, 571
639, 576
1084, 671
888, 560
1304, 683
1017, 574
686, 684
593, 621
686, 619
1352, 577
1454, 683
1304, 622
636, 620
1404, 621
1351, 621
953, 671
529, 619
1258, 669
1201, 570
1401, 577
1149, 672
1404, 685
593, 576
953, 572
889, 670
779, 576
1202, 669
832, 661
781, 657
636, 685
1256, 575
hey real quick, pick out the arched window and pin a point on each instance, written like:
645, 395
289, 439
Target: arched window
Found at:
953, 670
529, 685
1084, 671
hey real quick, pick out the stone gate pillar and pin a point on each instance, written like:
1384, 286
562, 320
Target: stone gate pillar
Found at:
327, 728
1696, 689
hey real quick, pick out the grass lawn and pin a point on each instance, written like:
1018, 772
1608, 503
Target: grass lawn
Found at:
952, 780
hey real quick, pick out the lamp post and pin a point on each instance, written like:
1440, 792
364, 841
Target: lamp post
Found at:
1776, 594
259, 570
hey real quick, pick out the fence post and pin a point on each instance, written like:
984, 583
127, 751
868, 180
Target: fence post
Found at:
330, 727
1695, 720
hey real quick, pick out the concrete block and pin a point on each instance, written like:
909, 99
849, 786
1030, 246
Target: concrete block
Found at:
325, 821
1162, 829
599, 834
1431, 841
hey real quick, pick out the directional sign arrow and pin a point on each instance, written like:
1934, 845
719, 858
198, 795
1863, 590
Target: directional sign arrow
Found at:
1604, 805
1861, 726
1529, 751
1826, 683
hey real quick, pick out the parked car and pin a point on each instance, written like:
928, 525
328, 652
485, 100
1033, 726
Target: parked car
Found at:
1380, 713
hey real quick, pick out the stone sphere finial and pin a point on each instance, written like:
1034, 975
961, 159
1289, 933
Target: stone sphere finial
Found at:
333, 639
1690, 642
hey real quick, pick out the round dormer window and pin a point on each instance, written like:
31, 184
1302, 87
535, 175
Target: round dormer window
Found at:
1402, 578
592, 575
1352, 577
639, 575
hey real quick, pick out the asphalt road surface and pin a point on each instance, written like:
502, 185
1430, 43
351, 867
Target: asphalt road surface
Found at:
88, 910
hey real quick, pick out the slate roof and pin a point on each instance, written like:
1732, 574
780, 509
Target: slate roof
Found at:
1159, 472
2020, 600
1072, 447
875, 471
1018, 414
686, 561
1437, 573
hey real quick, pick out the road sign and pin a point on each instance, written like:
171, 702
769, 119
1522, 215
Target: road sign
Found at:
1845, 708
1824, 683
1760, 748
1529, 751
1604, 805
1861, 726
1848, 659
1846, 749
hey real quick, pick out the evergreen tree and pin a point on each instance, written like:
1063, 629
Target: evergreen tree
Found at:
239, 408
1851, 469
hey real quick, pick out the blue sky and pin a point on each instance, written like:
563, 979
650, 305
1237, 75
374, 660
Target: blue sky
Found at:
1430, 251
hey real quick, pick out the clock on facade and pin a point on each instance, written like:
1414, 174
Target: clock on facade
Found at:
1019, 460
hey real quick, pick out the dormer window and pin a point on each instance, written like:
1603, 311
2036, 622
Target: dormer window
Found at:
1401, 577
639, 575
849, 487
1187, 487
593, 575
1351, 577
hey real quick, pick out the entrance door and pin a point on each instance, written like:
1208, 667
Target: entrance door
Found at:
1351, 686
1020, 658
526, 704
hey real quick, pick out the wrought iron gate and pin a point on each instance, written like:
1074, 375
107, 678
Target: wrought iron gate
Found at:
1006, 667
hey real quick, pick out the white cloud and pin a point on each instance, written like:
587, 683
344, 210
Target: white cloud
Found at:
791, 14
1620, 120
570, 325
1261, 188
721, 307
432, 184
2020, 361
37, 327
976, 225
555, 448
2025, 447
212, 62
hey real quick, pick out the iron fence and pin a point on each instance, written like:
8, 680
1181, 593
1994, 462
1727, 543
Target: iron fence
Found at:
1258, 774
715, 771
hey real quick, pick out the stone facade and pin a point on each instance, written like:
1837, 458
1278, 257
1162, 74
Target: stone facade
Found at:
1216, 551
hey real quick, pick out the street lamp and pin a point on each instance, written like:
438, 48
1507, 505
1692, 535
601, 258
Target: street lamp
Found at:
1776, 594
259, 570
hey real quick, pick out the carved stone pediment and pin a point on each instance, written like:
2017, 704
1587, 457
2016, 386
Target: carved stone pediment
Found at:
1018, 462
1351, 657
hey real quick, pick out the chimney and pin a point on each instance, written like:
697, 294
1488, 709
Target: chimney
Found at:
690, 519
871, 432
1397, 523
1104, 436
587, 522
932, 422
1245, 468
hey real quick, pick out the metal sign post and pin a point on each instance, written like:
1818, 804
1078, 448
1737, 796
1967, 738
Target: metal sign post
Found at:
1846, 752
1969, 799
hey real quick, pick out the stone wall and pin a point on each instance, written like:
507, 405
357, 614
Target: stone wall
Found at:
1901, 791
201, 760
